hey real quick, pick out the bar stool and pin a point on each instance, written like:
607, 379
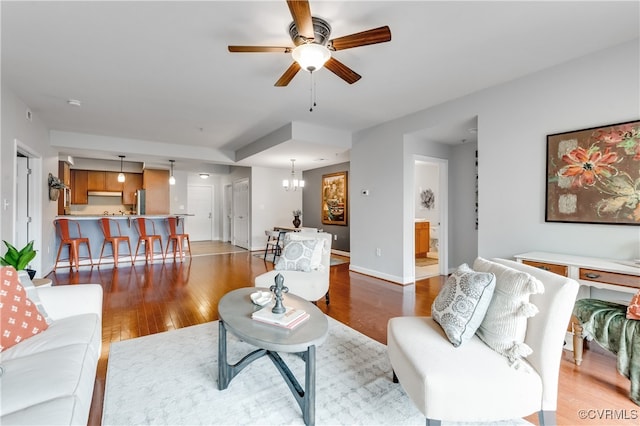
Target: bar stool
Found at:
147, 239
176, 237
69, 233
109, 226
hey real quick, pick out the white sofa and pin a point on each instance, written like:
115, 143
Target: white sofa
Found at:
49, 378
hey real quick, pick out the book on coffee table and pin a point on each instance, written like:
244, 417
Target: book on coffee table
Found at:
290, 319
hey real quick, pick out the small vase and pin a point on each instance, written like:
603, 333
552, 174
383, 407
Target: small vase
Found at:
296, 221
54, 193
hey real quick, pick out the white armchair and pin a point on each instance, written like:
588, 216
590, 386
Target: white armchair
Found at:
472, 382
308, 285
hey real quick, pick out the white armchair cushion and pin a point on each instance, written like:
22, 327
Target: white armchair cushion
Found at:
504, 327
462, 303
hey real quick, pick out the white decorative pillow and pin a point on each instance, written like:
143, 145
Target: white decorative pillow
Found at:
462, 303
505, 325
316, 257
32, 293
297, 256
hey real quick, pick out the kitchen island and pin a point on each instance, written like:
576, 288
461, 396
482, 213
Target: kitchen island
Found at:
90, 228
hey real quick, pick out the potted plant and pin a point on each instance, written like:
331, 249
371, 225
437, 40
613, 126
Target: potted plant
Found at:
19, 259
55, 185
296, 217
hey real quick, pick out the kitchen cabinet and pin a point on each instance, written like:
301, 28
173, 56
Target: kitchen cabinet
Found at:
422, 238
64, 174
103, 181
156, 184
132, 182
79, 186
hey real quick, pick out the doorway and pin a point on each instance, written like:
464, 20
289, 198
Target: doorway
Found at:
430, 201
227, 204
240, 236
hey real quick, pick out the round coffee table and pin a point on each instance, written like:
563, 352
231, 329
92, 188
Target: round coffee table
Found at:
235, 309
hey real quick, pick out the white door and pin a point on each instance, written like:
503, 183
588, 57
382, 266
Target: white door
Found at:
228, 213
201, 206
23, 209
241, 213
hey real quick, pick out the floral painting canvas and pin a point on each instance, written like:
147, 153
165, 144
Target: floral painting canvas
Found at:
593, 175
334, 199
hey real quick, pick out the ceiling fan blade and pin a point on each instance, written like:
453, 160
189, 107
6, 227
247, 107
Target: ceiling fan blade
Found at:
342, 71
254, 49
373, 36
288, 75
301, 14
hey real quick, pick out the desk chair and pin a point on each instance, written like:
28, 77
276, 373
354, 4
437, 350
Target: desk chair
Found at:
113, 235
148, 239
69, 233
177, 238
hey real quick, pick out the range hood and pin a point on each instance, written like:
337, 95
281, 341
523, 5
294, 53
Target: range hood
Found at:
105, 193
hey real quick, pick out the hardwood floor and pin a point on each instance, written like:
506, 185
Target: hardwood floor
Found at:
147, 299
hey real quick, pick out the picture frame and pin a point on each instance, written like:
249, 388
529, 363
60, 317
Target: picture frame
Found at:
335, 203
593, 175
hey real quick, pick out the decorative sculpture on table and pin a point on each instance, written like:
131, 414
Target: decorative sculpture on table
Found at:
278, 289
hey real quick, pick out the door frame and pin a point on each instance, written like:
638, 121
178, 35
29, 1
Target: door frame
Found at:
443, 213
233, 221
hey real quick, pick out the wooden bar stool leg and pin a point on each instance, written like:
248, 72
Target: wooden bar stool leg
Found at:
114, 247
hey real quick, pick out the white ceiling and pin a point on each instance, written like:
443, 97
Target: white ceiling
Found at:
160, 71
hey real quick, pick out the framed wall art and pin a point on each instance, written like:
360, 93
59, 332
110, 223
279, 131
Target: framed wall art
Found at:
593, 175
334, 199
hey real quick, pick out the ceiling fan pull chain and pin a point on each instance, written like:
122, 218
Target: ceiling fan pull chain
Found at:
312, 100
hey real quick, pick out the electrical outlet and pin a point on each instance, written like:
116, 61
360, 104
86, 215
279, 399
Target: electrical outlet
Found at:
335, 237
378, 252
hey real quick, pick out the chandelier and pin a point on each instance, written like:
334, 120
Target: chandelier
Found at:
293, 182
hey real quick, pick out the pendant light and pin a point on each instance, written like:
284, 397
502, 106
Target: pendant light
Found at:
121, 175
293, 183
172, 180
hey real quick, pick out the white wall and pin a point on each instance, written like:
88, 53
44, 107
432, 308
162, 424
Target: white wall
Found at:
513, 121
33, 138
426, 178
271, 205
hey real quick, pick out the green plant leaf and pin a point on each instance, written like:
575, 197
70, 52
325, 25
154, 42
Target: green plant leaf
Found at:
28, 248
24, 260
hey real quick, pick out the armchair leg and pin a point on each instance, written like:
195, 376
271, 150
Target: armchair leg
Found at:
395, 378
547, 418
578, 340
326, 298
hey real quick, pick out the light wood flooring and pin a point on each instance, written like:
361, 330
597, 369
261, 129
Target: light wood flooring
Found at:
147, 299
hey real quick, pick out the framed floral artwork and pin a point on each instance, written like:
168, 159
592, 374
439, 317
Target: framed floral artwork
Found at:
593, 175
334, 199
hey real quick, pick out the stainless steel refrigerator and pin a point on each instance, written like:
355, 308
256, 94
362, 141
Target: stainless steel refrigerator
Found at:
141, 200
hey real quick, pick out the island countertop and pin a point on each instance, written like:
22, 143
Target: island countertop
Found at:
91, 229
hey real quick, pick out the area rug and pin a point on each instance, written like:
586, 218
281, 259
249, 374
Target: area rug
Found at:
170, 378
269, 258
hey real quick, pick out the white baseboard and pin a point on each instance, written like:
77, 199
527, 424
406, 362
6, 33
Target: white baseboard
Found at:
341, 253
377, 274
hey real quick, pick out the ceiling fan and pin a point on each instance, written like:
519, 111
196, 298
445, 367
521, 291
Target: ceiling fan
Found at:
313, 48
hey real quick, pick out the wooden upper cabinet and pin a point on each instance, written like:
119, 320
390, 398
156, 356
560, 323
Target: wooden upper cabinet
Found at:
132, 182
104, 181
95, 180
156, 184
79, 186
111, 182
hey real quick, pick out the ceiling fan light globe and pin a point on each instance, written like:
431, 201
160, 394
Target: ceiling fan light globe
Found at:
311, 56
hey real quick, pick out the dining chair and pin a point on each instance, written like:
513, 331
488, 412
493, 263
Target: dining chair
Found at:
273, 244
